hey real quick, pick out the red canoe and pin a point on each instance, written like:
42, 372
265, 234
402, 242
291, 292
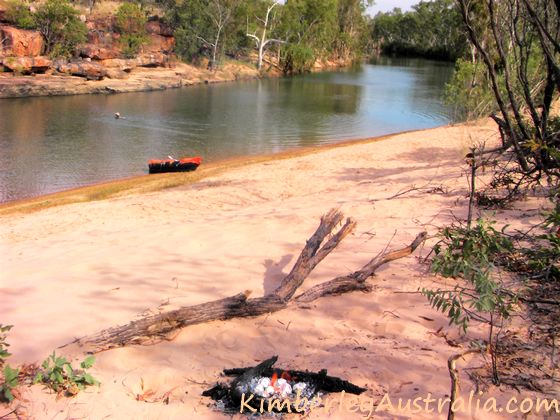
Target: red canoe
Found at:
174, 165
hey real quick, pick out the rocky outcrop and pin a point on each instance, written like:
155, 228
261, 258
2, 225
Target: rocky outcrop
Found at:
102, 44
159, 43
157, 59
27, 65
20, 42
122, 64
99, 59
87, 69
139, 79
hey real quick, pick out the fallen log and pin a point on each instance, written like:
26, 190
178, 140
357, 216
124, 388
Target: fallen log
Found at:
155, 328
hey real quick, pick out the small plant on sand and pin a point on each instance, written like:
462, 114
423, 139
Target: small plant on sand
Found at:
470, 253
58, 374
10, 381
4, 354
10, 375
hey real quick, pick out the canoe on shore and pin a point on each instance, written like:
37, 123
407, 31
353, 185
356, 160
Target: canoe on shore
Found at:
174, 165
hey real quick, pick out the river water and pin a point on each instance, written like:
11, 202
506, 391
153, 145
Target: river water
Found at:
51, 144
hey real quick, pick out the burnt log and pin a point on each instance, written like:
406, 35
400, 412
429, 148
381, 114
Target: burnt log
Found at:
239, 390
325, 382
155, 328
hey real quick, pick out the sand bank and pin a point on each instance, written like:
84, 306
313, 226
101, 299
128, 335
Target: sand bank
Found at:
71, 270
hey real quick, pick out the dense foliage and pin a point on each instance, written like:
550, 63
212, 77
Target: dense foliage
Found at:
516, 57
431, 29
18, 12
295, 33
512, 74
130, 22
61, 27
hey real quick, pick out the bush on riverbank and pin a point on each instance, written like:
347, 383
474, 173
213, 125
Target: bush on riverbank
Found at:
20, 15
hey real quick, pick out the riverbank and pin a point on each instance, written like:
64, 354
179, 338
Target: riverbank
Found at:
153, 183
74, 269
138, 79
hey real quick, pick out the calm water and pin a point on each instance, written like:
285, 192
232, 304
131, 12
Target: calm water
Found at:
52, 144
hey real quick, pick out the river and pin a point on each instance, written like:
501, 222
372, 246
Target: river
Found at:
50, 144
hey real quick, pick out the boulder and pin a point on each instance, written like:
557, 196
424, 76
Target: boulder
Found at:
152, 60
20, 42
158, 43
27, 65
87, 69
120, 64
101, 45
116, 74
97, 53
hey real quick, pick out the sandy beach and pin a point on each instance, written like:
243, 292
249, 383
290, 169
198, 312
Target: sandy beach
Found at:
72, 270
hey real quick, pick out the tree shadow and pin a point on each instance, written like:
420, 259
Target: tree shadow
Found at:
274, 273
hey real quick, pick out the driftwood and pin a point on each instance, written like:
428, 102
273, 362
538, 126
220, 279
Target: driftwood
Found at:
152, 329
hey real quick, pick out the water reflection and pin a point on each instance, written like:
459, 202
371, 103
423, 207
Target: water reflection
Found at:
51, 144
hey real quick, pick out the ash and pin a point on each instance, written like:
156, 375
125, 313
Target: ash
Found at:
281, 388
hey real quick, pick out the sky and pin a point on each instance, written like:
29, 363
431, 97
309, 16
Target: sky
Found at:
386, 5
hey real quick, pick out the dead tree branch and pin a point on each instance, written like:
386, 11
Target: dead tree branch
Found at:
152, 329
454, 374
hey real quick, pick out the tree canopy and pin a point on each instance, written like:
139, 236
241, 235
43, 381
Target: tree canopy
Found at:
299, 31
431, 29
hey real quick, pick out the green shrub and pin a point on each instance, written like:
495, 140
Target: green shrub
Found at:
58, 374
130, 19
10, 382
130, 22
470, 254
10, 375
61, 27
4, 354
469, 91
298, 59
132, 44
19, 14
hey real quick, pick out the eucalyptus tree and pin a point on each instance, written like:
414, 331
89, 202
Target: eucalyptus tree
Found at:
201, 26
352, 28
310, 28
261, 27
